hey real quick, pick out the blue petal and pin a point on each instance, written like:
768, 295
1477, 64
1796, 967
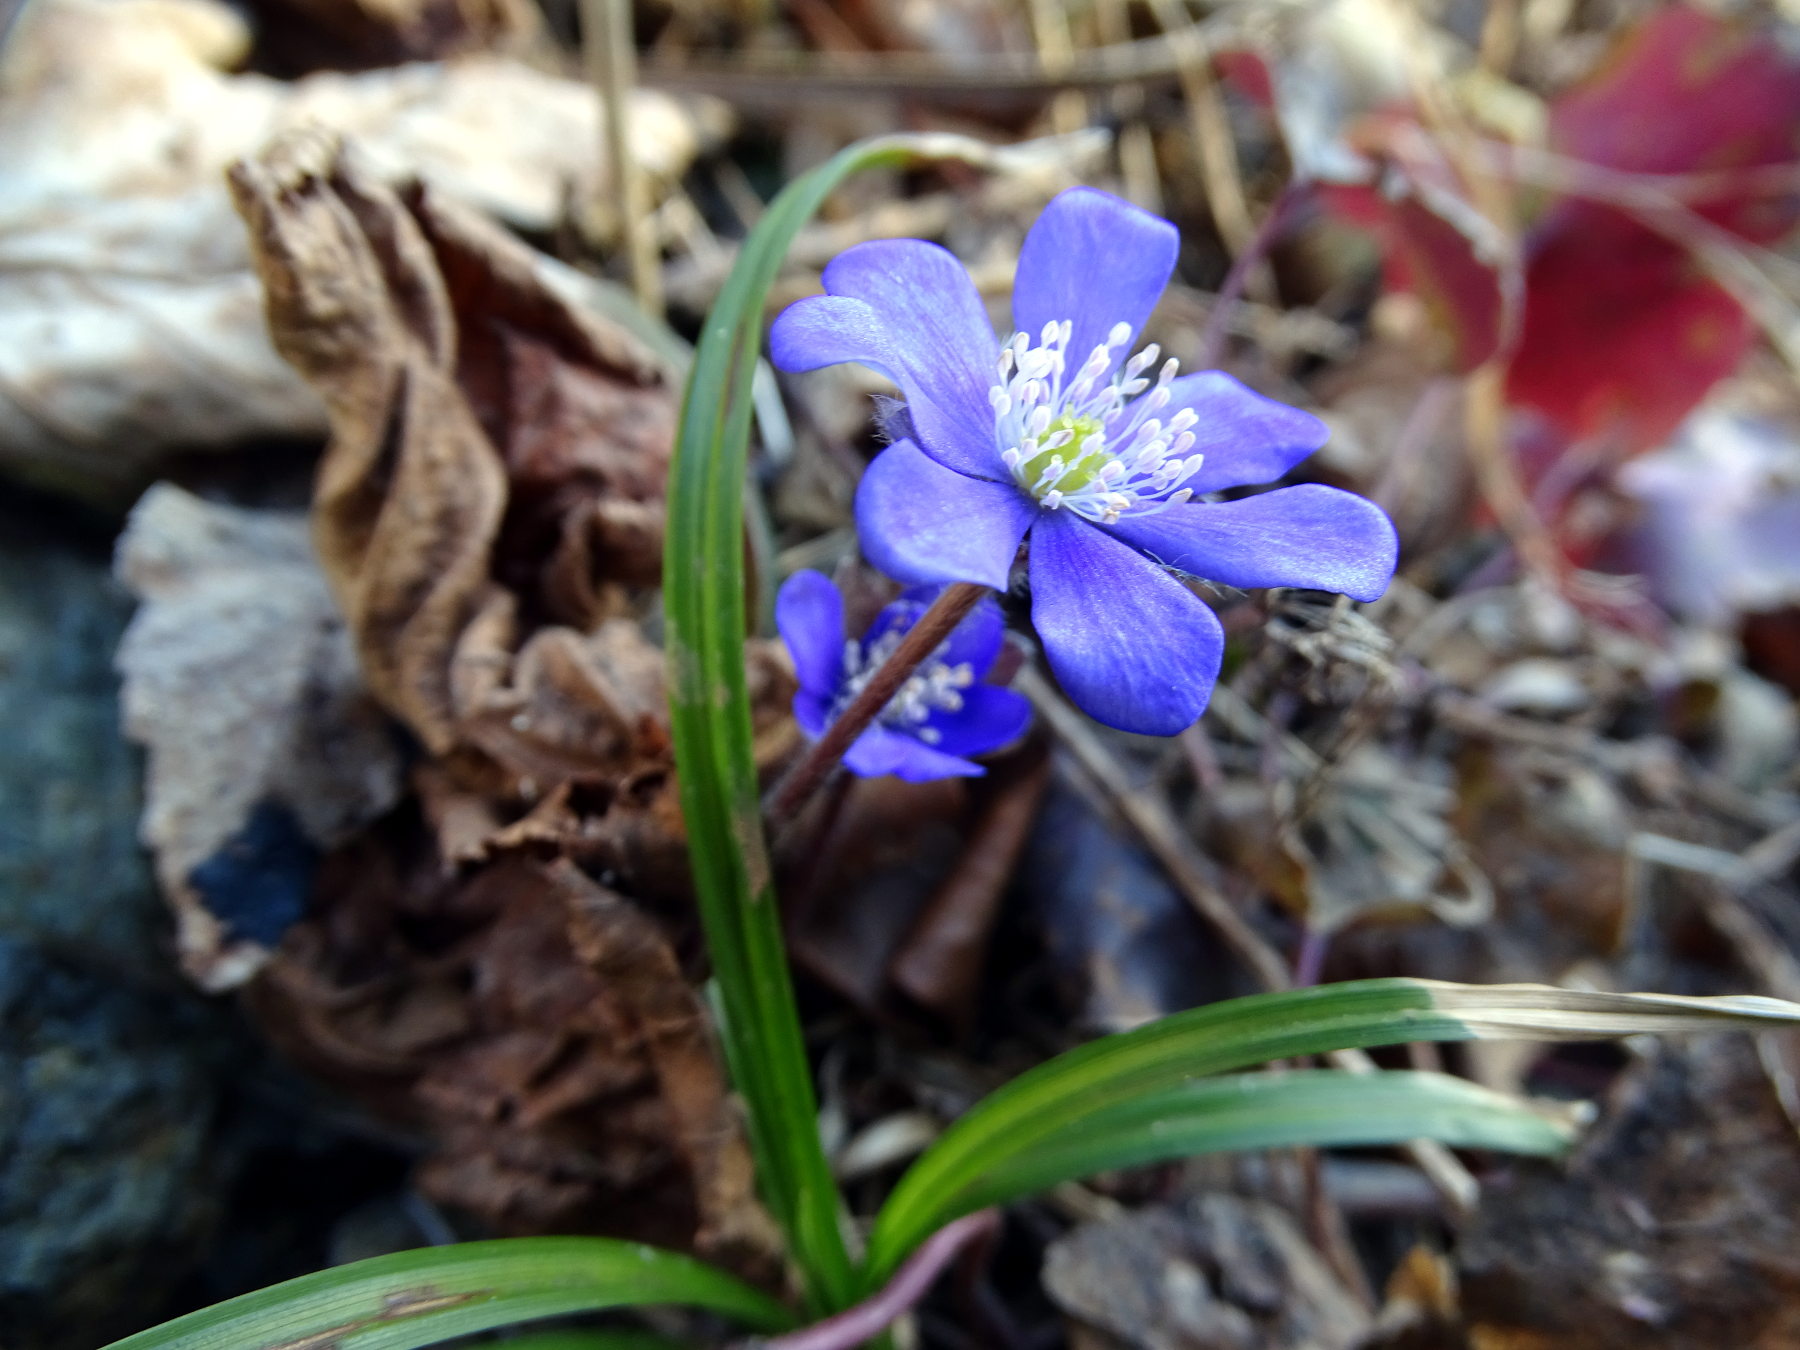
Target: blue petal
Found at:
881, 750
1245, 437
976, 640
1312, 536
922, 522
1128, 642
812, 713
907, 309
988, 719
1096, 261
809, 615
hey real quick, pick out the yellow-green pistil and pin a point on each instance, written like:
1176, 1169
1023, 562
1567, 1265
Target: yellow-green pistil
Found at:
1092, 446
1082, 455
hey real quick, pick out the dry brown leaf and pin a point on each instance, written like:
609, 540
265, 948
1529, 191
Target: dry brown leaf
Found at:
1674, 1226
537, 1028
264, 746
939, 963
632, 958
480, 419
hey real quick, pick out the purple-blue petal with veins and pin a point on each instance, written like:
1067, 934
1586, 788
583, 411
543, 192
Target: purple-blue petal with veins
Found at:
1245, 437
989, 718
881, 750
1096, 261
1131, 645
809, 615
1316, 537
921, 522
906, 308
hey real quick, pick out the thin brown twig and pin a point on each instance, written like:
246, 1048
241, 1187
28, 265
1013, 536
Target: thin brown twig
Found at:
1221, 176
1156, 825
870, 1318
1231, 290
816, 764
1158, 829
610, 51
1056, 50
1136, 141
783, 77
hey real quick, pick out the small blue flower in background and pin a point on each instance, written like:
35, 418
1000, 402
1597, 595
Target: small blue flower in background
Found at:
942, 714
1099, 459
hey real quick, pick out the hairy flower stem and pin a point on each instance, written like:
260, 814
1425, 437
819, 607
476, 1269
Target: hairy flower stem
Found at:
868, 1319
950, 608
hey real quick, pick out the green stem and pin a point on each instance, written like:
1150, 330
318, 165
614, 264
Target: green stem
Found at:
703, 596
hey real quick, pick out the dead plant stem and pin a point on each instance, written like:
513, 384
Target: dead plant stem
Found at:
610, 50
1231, 290
1156, 825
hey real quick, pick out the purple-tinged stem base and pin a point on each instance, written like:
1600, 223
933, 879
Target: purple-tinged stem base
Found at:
870, 1318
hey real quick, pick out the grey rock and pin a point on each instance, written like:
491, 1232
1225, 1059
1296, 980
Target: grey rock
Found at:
72, 876
107, 1178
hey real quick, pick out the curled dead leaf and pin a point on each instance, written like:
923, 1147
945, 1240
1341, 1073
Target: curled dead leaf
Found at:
537, 1028
487, 431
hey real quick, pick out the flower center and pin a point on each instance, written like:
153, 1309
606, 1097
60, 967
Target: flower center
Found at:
1089, 443
936, 686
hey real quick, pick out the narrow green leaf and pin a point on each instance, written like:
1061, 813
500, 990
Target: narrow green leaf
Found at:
575, 1339
1322, 1108
704, 599
1058, 1097
419, 1298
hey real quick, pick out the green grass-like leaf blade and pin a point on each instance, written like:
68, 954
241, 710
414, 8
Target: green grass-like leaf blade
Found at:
1320, 1108
1054, 1102
704, 600
419, 1298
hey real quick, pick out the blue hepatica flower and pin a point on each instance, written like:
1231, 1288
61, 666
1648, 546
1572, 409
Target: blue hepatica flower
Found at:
942, 714
1102, 461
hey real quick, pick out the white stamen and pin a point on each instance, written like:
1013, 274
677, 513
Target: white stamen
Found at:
1141, 362
1092, 437
935, 686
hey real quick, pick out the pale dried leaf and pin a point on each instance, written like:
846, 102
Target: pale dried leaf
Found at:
264, 747
128, 305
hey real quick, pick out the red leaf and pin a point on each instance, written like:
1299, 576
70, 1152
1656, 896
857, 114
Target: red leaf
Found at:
1687, 93
1435, 243
1623, 334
